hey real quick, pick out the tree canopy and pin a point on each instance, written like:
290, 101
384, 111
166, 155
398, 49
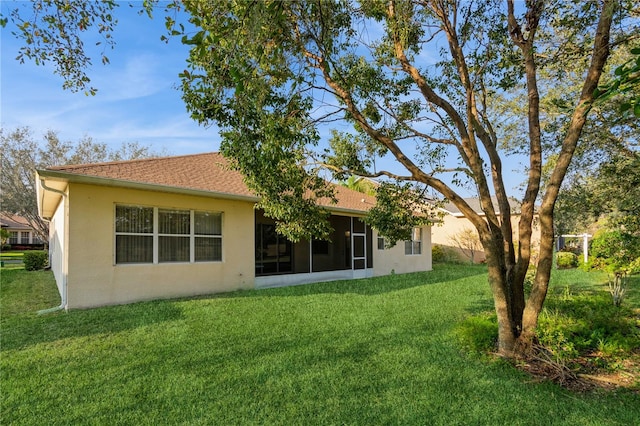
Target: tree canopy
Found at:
424, 85
23, 154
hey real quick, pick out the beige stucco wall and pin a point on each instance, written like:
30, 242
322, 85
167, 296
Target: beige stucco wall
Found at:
93, 277
83, 245
451, 225
58, 238
393, 259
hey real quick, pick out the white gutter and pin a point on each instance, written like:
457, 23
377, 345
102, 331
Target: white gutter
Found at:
63, 295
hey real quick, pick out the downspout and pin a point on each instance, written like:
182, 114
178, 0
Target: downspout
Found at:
63, 295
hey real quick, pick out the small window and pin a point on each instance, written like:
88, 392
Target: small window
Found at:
381, 244
414, 246
134, 234
208, 236
173, 235
24, 237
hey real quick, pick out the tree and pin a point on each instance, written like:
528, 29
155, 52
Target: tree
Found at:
626, 81
468, 242
360, 184
611, 192
271, 73
4, 236
261, 71
22, 155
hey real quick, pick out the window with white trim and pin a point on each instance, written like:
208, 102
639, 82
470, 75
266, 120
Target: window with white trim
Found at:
158, 235
414, 246
24, 237
13, 237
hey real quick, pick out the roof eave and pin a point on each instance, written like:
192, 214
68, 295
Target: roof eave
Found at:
102, 181
61, 176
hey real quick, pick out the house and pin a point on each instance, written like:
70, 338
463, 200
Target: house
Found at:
21, 233
169, 227
454, 224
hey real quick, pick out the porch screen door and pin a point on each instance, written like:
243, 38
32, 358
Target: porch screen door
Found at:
358, 247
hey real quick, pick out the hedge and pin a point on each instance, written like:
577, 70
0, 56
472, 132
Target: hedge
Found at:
35, 260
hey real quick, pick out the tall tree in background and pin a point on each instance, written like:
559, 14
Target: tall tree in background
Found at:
22, 155
611, 135
416, 81
611, 191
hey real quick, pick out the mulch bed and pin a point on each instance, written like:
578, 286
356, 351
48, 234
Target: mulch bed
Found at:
582, 376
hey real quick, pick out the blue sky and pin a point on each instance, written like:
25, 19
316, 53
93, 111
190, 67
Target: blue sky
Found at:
137, 100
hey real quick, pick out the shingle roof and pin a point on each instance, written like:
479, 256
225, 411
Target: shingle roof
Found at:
474, 203
209, 172
9, 220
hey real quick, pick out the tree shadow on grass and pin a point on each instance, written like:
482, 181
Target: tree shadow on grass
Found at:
26, 330
441, 273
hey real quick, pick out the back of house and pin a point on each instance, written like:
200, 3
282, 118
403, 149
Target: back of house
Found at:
179, 226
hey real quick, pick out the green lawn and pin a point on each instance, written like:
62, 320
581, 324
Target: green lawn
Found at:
11, 259
374, 351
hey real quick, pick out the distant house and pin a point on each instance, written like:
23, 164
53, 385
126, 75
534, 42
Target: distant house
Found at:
21, 233
454, 222
178, 226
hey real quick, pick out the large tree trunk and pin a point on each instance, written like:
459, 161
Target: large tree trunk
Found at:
507, 302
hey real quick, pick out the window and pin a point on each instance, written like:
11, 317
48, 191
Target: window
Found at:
24, 237
414, 246
134, 234
320, 246
208, 236
381, 244
274, 253
13, 237
156, 235
174, 236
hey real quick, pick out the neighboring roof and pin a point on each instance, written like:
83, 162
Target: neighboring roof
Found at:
474, 203
13, 221
204, 173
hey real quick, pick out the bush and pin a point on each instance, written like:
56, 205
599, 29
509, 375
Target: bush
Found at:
634, 267
529, 279
443, 254
35, 260
615, 249
565, 259
437, 253
478, 333
587, 324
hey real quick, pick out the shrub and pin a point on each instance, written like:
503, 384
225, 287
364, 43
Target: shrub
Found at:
437, 253
529, 279
634, 267
565, 259
618, 287
443, 254
478, 333
35, 260
615, 249
574, 325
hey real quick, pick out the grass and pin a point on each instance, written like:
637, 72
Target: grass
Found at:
9, 255
12, 259
373, 351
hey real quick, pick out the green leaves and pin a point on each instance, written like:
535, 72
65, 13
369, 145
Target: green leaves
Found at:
626, 80
54, 33
399, 208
